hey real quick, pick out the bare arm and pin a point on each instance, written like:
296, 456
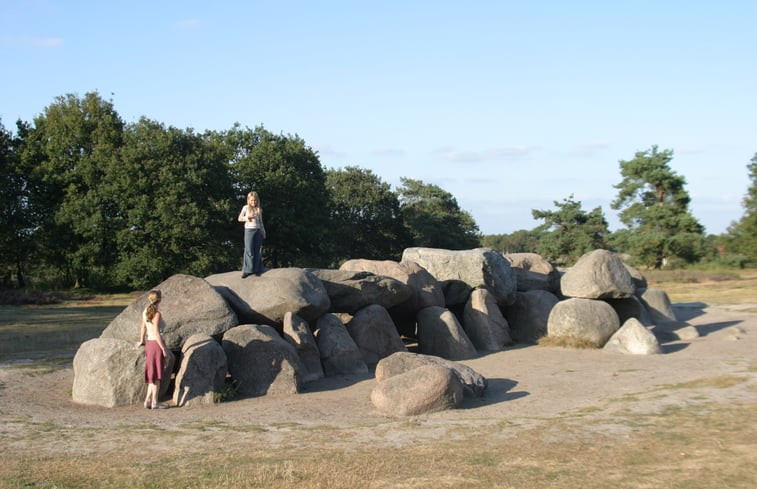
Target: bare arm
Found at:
142, 332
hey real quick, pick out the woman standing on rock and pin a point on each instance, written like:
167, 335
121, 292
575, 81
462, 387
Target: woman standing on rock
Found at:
254, 234
155, 350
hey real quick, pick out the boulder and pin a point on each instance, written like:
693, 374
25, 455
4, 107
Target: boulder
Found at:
474, 384
350, 291
425, 289
265, 299
639, 280
202, 373
261, 361
585, 319
374, 334
339, 353
110, 372
658, 304
598, 274
631, 307
440, 334
634, 338
484, 323
533, 272
189, 306
464, 270
426, 389
297, 333
528, 316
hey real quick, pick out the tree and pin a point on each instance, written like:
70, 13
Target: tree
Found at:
365, 216
742, 235
174, 209
292, 186
521, 241
434, 219
654, 206
569, 232
15, 214
70, 149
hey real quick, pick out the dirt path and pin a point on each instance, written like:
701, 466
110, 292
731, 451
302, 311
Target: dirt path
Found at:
526, 386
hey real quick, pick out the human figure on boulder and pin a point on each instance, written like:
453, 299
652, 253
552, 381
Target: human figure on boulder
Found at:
254, 234
155, 350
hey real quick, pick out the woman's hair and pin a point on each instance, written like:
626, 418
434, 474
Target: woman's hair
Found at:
152, 308
253, 210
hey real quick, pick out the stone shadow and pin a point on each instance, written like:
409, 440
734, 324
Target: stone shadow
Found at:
497, 391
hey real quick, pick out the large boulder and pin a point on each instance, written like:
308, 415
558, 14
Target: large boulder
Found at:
374, 333
631, 307
474, 384
440, 334
297, 333
529, 314
339, 353
584, 319
265, 299
425, 289
261, 361
484, 323
202, 373
110, 372
634, 338
350, 291
658, 304
462, 271
533, 272
426, 389
189, 306
598, 274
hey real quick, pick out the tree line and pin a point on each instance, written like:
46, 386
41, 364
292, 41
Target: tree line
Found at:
91, 201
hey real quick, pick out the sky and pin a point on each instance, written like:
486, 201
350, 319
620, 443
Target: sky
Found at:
507, 105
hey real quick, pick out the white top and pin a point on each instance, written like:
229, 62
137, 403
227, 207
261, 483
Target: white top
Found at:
255, 223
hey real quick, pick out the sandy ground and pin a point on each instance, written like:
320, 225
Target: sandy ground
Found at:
527, 385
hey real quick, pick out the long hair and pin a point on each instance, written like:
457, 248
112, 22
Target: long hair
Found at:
152, 308
253, 211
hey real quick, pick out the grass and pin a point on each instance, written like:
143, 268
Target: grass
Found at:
715, 288
57, 327
692, 446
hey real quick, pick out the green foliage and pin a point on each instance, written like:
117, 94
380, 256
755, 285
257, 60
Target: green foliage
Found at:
291, 183
434, 219
15, 219
742, 235
521, 241
569, 231
365, 216
172, 194
654, 207
70, 149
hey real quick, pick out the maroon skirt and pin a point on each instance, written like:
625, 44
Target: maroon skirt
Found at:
155, 363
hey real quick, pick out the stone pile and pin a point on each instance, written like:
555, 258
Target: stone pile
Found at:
272, 334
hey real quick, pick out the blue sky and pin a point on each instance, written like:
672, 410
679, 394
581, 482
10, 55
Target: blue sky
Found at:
508, 105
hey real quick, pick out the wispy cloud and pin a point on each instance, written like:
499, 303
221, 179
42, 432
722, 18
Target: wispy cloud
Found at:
507, 153
328, 151
34, 42
690, 150
388, 152
590, 148
188, 23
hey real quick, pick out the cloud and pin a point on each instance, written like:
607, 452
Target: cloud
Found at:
505, 153
388, 152
328, 151
188, 23
590, 148
34, 42
690, 150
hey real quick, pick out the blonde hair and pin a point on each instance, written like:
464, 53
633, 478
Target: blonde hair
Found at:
253, 211
154, 297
